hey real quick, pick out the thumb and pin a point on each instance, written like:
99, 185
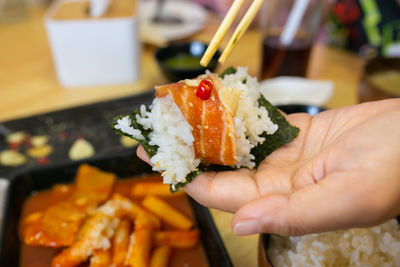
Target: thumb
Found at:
262, 215
141, 153
320, 207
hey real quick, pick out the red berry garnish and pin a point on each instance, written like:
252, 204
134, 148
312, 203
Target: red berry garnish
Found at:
43, 161
13, 146
28, 142
204, 89
63, 136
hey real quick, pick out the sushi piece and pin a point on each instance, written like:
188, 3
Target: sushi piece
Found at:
208, 123
211, 122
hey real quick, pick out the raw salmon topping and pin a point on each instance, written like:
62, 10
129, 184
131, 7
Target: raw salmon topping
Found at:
212, 123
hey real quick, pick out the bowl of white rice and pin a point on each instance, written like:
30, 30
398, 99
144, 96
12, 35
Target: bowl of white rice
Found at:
377, 246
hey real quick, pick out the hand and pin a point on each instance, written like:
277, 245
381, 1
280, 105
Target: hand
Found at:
342, 171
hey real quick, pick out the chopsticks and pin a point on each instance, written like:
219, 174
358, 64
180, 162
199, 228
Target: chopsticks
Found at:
4, 130
223, 28
219, 35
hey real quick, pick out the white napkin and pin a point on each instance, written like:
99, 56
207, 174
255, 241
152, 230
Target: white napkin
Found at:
98, 7
295, 90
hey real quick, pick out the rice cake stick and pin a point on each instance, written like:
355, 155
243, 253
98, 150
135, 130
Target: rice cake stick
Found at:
219, 35
131, 209
100, 258
120, 243
176, 239
144, 189
140, 242
167, 213
160, 256
241, 29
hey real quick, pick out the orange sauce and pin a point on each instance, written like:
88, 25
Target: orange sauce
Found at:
32, 256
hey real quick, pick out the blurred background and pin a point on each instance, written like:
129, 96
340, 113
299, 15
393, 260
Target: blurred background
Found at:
31, 58
67, 67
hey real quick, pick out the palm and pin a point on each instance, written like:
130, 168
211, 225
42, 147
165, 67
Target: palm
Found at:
325, 161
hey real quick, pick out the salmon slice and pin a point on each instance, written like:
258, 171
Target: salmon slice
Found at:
213, 127
58, 225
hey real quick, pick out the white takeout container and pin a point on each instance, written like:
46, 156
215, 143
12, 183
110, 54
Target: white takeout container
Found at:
95, 51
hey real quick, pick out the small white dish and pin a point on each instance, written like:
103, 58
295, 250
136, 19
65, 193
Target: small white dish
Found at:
193, 17
285, 90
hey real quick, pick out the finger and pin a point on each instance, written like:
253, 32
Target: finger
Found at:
226, 191
141, 153
330, 124
327, 205
282, 112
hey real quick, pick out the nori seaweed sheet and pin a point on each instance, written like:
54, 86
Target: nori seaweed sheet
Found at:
285, 134
150, 150
229, 70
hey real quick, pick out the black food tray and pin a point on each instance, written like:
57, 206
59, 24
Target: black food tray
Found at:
124, 165
64, 127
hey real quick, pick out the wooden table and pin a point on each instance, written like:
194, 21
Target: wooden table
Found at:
28, 85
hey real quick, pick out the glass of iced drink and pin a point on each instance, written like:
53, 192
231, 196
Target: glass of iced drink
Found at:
291, 59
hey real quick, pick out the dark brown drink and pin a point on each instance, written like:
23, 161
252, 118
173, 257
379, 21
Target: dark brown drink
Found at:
279, 60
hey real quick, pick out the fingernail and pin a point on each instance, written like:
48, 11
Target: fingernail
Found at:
247, 227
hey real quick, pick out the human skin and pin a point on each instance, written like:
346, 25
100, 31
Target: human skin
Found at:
342, 171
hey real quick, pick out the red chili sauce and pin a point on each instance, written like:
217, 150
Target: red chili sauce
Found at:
35, 256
